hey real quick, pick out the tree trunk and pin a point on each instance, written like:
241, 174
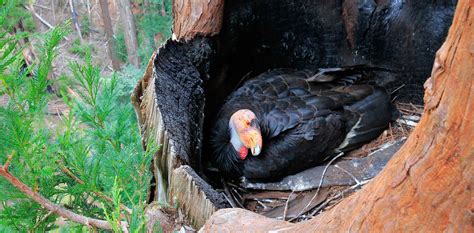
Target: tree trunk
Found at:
427, 186
197, 18
109, 33
75, 20
130, 31
196, 67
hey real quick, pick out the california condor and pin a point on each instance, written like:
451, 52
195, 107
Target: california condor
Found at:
293, 120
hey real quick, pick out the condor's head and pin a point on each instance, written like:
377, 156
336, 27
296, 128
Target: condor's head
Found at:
245, 133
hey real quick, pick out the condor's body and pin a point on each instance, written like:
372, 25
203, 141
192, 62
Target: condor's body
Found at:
304, 118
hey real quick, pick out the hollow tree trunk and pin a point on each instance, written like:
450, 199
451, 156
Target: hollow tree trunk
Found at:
427, 186
195, 67
172, 181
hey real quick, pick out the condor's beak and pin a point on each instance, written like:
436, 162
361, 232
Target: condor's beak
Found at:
245, 132
256, 150
254, 141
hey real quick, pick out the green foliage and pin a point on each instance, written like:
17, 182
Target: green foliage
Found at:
86, 26
151, 26
152, 30
24, 134
128, 76
15, 15
120, 47
114, 217
81, 49
98, 152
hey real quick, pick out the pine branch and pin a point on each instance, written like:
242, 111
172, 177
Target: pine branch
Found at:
97, 193
9, 160
47, 204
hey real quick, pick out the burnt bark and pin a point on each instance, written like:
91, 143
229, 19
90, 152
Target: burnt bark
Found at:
167, 99
399, 35
427, 186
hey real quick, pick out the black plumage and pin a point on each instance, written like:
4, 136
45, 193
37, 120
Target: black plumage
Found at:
304, 118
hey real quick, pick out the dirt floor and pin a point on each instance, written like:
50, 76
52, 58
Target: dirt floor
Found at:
60, 12
46, 13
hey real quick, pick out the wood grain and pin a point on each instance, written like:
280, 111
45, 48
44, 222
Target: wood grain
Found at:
197, 18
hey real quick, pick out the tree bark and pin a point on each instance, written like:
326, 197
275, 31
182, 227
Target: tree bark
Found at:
130, 31
109, 33
427, 185
197, 18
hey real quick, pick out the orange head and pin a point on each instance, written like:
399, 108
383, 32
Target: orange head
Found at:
245, 133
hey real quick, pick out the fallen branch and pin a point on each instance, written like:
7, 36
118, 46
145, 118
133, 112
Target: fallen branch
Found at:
47, 204
39, 17
33, 12
41, 6
74, 19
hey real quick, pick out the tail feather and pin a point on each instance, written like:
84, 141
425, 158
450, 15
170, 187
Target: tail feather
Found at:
346, 75
367, 118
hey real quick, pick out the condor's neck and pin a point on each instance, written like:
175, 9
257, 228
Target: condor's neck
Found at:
227, 157
221, 138
234, 137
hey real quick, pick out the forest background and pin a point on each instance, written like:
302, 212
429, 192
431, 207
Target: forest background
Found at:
68, 130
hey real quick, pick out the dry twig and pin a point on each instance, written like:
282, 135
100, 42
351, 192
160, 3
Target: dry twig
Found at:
319, 185
30, 9
228, 195
348, 173
9, 160
42, 219
337, 196
286, 205
74, 20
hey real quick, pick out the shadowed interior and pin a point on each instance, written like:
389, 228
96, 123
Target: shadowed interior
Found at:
256, 36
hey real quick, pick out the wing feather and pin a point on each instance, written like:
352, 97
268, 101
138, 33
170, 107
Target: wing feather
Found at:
304, 117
